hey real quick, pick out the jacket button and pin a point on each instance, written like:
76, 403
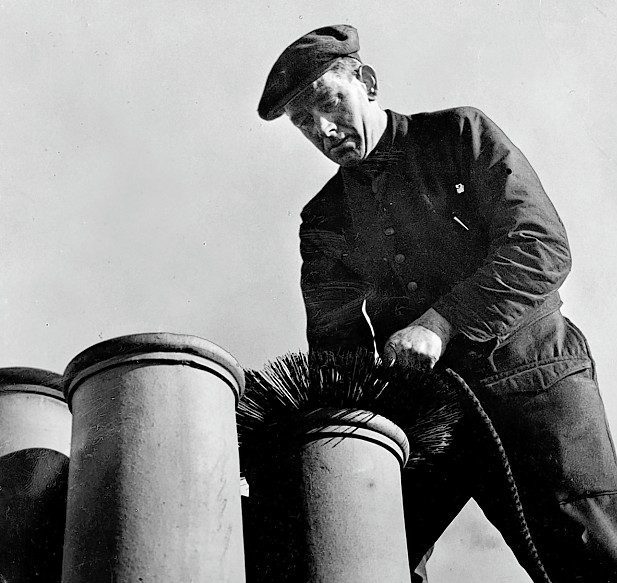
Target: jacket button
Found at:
412, 286
399, 258
389, 231
501, 328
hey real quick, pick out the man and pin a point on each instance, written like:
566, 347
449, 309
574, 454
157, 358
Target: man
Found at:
439, 227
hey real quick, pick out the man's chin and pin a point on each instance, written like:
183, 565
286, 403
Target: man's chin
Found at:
346, 159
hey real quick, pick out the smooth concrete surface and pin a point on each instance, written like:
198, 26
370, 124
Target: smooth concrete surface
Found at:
33, 413
352, 501
35, 430
153, 484
333, 510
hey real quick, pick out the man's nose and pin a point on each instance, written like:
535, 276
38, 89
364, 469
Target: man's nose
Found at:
325, 126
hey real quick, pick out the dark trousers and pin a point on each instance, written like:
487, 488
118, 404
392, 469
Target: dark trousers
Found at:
540, 391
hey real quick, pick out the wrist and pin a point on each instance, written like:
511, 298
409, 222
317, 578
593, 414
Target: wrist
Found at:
435, 322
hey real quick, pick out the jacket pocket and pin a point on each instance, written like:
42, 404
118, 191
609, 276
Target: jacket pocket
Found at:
535, 377
551, 421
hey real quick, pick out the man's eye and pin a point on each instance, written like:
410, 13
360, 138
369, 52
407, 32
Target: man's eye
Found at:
331, 104
303, 123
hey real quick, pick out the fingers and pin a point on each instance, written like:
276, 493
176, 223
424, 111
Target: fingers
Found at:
424, 363
389, 354
407, 358
416, 361
414, 347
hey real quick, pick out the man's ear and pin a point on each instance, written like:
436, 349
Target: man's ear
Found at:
367, 75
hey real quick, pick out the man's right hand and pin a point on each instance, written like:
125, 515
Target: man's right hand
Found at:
413, 347
417, 346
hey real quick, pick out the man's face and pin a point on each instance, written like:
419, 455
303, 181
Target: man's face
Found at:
333, 114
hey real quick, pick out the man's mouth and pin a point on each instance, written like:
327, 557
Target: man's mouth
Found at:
337, 144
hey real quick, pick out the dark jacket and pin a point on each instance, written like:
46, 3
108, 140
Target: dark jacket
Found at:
446, 213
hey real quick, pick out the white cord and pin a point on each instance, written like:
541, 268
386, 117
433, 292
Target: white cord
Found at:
370, 325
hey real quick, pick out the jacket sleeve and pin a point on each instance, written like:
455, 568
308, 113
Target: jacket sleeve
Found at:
528, 256
333, 294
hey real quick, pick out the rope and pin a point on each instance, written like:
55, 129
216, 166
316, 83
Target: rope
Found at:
528, 544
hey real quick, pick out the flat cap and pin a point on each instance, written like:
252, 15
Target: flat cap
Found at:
302, 62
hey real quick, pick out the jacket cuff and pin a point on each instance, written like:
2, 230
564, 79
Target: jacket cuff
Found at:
466, 321
437, 323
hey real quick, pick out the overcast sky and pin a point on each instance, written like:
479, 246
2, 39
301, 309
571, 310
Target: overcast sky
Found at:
141, 192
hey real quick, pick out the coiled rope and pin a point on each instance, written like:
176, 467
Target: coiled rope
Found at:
523, 527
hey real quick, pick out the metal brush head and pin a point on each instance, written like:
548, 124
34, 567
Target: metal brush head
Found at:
280, 396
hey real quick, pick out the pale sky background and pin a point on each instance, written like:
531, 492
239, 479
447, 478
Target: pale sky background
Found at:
141, 192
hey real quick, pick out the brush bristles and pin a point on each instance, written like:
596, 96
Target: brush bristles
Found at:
278, 398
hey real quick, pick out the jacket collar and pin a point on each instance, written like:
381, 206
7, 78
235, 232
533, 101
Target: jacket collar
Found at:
388, 151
